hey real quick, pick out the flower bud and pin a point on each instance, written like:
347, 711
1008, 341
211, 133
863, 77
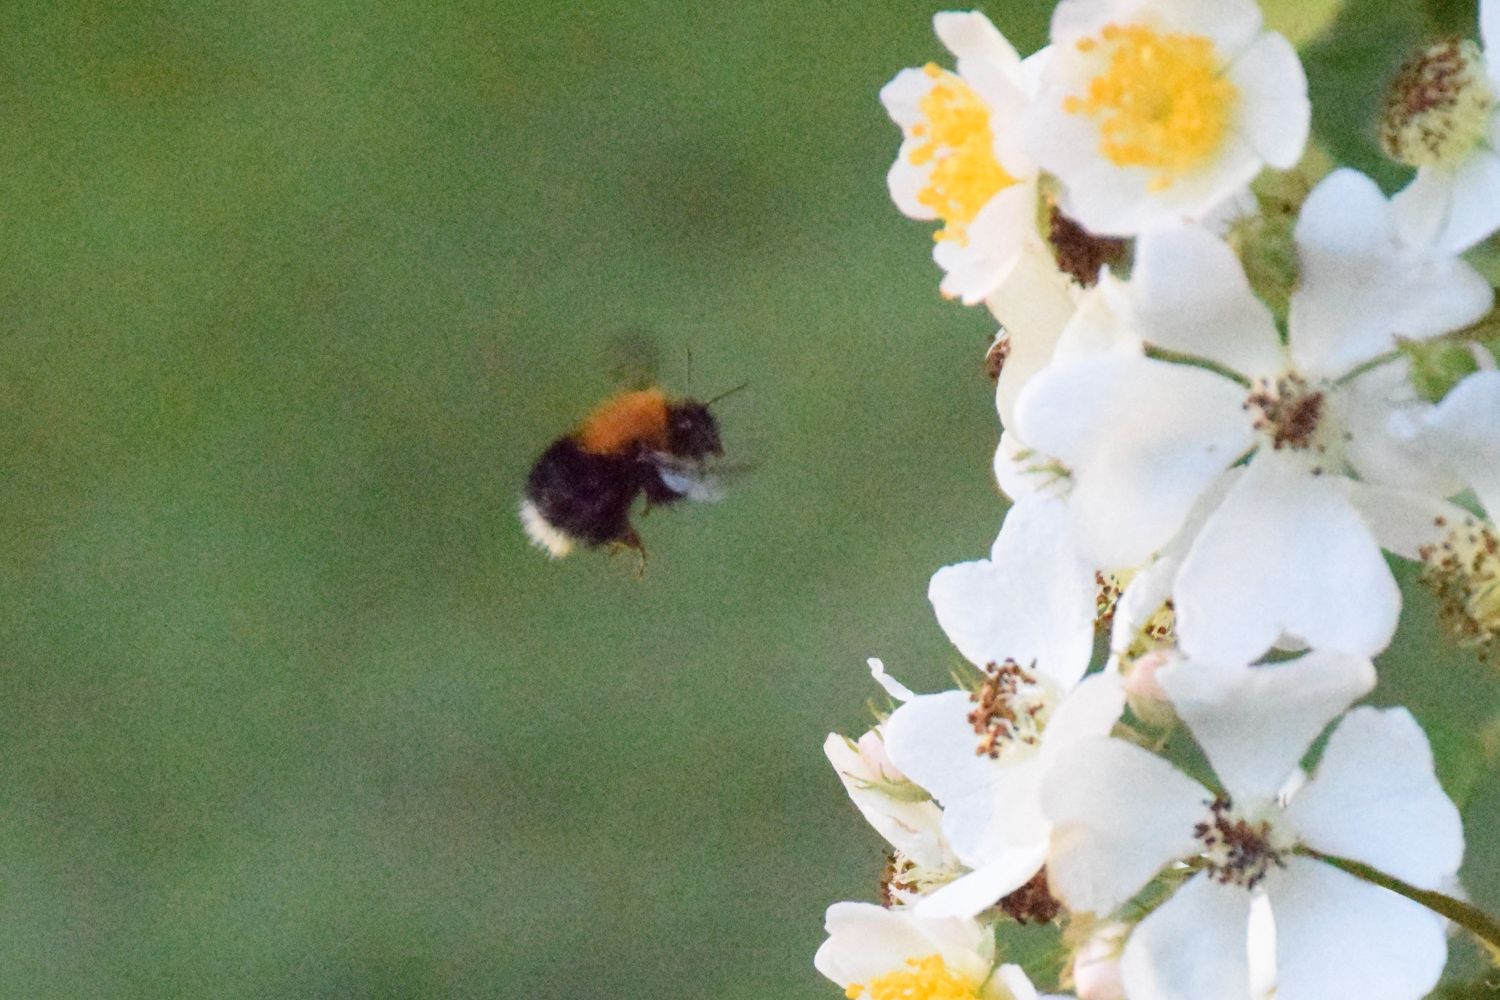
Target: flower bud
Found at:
1439, 106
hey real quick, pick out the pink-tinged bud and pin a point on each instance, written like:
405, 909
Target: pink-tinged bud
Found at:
1096, 966
1143, 691
872, 754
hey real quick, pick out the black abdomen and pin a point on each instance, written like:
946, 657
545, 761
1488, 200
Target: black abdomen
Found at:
583, 495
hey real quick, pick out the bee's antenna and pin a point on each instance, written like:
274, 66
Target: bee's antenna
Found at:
726, 394
690, 371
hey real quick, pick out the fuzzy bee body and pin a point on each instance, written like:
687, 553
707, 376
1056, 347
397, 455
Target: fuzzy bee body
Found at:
581, 490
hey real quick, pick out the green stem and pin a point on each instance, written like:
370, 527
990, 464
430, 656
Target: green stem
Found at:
1384, 359
1177, 357
1472, 919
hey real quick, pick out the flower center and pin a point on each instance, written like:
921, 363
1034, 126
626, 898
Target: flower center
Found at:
1160, 100
1439, 106
1463, 571
1240, 848
1011, 710
923, 979
960, 147
1032, 903
904, 881
1288, 411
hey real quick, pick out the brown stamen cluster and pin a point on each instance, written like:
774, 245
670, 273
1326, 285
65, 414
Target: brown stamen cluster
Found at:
1238, 851
1433, 101
1033, 902
896, 880
995, 357
1288, 410
1159, 632
1463, 573
1000, 716
1106, 598
1078, 252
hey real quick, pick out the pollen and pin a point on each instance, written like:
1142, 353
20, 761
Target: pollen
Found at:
922, 979
1439, 106
959, 147
1161, 100
1011, 709
1463, 572
1239, 849
1288, 412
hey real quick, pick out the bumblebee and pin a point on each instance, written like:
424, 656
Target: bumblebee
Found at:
582, 488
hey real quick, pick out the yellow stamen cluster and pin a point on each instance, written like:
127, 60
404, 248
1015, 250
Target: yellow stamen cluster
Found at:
1161, 100
960, 148
1439, 106
1463, 571
924, 979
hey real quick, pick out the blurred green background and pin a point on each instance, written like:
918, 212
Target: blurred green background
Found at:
291, 295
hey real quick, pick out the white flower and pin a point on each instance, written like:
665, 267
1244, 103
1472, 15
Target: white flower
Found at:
879, 954
961, 160
1464, 429
899, 811
1121, 815
1292, 548
1442, 117
1052, 319
1026, 617
1153, 111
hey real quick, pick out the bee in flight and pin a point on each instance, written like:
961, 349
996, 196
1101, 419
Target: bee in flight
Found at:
583, 486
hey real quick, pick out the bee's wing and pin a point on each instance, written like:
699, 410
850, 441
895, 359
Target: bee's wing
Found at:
634, 360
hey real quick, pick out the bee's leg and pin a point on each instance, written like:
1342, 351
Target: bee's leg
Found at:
631, 540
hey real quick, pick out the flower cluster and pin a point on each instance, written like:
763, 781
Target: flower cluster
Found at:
1232, 380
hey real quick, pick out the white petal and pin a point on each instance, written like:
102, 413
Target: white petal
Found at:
1151, 586
987, 804
1119, 815
1011, 981
903, 96
1032, 601
1255, 723
1361, 286
1375, 798
1382, 417
1476, 202
1021, 471
1192, 296
1489, 30
982, 888
1423, 207
1144, 438
1403, 522
911, 827
1194, 947
906, 181
1034, 304
1229, 24
971, 38
930, 740
990, 65
1285, 553
975, 268
866, 941
1089, 711
1101, 324
1339, 937
1467, 422
1275, 113
892, 687
1469, 212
